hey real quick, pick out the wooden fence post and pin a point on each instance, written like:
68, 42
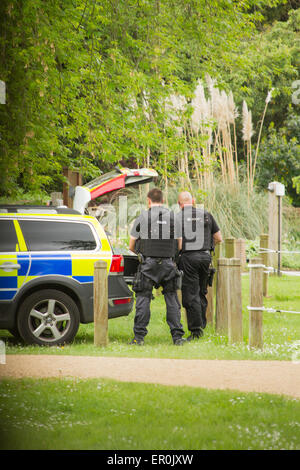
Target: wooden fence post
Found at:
215, 258
222, 296
211, 291
229, 299
256, 301
210, 306
100, 304
240, 248
230, 247
264, 244
74, 179
235, 311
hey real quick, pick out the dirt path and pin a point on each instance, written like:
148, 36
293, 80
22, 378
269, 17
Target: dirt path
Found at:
277, 377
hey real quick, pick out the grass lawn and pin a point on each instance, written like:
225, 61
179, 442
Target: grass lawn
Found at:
281, 332
104, 414
101, 414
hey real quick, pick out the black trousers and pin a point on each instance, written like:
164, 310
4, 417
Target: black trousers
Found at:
195, 267
158, 272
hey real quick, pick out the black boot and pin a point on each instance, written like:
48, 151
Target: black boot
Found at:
179, 341
137, 342
195, 335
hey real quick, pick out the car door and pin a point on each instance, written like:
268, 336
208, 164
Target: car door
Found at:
110, 182
14, 260
61, 247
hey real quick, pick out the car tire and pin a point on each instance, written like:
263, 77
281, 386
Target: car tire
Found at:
48, 317
15, 332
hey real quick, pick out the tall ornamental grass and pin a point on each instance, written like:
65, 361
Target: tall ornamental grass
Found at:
236, 216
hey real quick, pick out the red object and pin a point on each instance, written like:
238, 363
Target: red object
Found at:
117, 264
122, 301
108, 186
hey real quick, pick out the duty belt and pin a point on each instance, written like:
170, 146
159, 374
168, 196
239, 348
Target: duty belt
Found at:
142, 258
197, 251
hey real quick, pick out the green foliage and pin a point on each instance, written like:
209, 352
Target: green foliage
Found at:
270, 59
279, 160
296, 183
252, 248
74, 70
279, 11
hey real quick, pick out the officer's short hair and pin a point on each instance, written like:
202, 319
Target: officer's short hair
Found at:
156, 195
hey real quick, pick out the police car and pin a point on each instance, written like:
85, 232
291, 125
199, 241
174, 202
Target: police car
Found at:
47, 258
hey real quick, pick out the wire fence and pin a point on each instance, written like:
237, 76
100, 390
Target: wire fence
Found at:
267, 270
271, 310
268, 250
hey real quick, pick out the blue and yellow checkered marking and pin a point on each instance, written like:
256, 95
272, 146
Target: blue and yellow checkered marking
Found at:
36, 265
7, 295
83, 268
79, 266
11, 281
48, 264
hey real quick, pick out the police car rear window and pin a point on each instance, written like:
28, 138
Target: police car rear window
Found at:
43, 235
8, 237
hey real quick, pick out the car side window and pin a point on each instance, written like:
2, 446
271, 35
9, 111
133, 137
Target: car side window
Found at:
8, 237
43, 235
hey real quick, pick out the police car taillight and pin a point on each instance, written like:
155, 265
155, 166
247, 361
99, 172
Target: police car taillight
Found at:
117, 264
126, 300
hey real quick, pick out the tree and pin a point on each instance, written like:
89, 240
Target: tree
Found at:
279, 161
269, 60
87, 81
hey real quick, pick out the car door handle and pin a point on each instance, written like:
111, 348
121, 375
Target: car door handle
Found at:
7, 267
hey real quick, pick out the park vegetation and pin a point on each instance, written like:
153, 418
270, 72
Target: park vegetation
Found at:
207, 92
201, 91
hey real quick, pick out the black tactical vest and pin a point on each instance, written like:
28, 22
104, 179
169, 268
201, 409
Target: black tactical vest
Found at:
157, 233
196, 229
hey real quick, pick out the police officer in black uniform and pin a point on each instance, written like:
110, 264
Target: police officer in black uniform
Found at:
200, 233
153, 238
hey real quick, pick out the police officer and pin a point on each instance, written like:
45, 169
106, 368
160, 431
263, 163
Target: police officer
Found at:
200, 233
153, 237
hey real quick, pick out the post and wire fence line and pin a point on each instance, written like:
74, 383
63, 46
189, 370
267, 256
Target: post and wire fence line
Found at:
273, 310
262, 250
228, 315
227, 292
256, 307
224, 297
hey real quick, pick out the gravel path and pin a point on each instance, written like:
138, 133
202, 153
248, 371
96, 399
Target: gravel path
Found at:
277, 377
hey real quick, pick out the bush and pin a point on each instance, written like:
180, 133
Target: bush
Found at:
279, 160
